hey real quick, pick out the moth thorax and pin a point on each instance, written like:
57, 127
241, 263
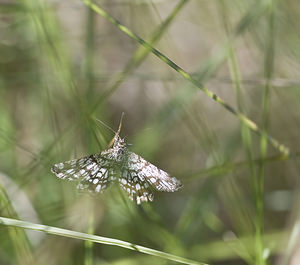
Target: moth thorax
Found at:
119, 142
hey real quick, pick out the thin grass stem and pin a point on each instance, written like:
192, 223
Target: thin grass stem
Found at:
96, 239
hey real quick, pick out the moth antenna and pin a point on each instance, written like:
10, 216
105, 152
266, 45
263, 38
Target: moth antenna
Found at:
120, 124
118, 131
106, 126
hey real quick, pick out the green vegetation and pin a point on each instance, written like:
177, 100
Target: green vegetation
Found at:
235, 147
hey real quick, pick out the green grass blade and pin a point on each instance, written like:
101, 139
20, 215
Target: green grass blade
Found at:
269, 65
17, 237
140, 55
249, 123
228, 167
95, 239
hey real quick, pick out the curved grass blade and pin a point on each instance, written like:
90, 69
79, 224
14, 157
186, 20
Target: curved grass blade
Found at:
245, 120
140, 54
96, 239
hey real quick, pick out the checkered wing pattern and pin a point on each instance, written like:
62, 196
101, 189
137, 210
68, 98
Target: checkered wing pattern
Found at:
139, 178
92, 173
135, 187
157, 178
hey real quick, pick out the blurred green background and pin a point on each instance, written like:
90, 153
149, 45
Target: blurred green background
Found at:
62, 65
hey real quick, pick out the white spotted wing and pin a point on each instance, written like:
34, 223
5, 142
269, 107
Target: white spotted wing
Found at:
93, 173
139, 178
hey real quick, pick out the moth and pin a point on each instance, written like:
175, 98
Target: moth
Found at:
136, 176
